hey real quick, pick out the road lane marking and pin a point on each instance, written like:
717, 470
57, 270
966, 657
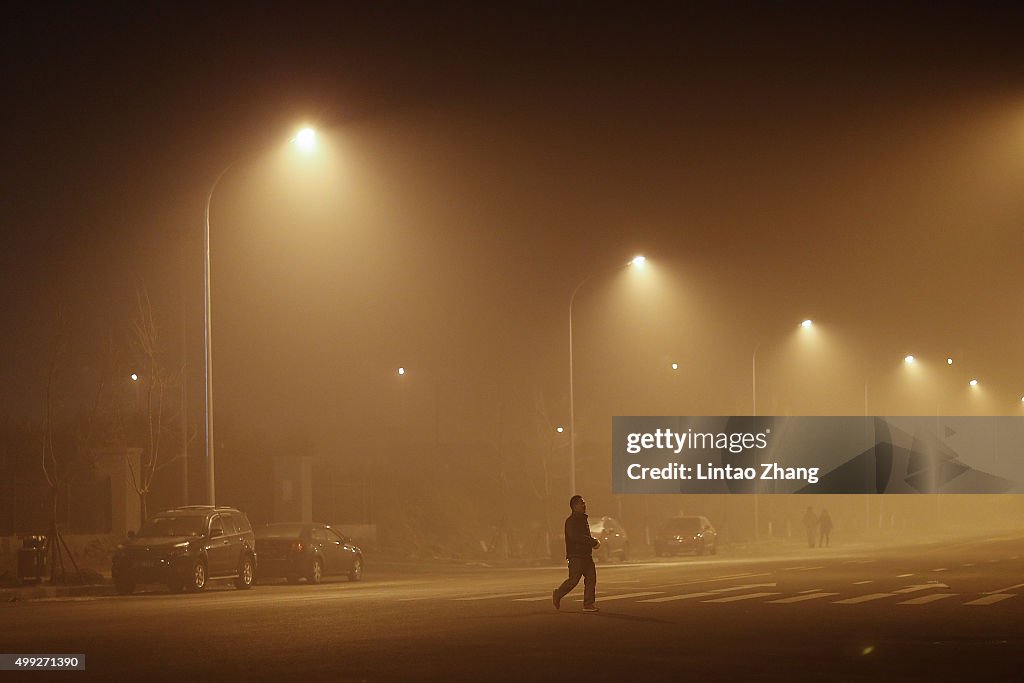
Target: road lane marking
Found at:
940, 569
627, 595
903, 576
990, 599
812, 590
544, 597
684, 596
925, 599
969, 564
807, 569
1005, 590
863, 598
800, 598
494, 596
714, 578
861, 583
737, 598
992, 561
742, 588
920, 587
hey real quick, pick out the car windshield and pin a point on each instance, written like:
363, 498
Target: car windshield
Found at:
597, 527
688, 525
191, 525
280, 531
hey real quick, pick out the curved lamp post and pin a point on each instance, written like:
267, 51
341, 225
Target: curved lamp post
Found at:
305, 140
636, 262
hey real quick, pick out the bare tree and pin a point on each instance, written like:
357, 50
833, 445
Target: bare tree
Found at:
146, 341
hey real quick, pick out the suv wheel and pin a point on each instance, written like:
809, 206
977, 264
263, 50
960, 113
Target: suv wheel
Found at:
246, 573
197, 579
316, 571
357, 570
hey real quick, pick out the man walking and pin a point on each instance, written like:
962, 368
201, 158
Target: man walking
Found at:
579, 547
811, 524
825, 529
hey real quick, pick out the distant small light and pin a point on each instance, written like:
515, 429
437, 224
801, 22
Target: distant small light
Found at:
559, 429
675, 366
973, 382
949, 361
909, 359
401, 371
638, 261
868, 650
135, 378
806, 323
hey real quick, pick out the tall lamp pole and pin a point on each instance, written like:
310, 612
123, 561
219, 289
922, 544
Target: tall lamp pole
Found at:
305, 139
637, 262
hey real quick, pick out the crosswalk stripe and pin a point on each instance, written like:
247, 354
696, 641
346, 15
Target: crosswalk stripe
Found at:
745, 596
542, 597
800, 598
684, 596
747, 575
863, 598
990, 599
627, 595
925, 599
1004, 590
494, 596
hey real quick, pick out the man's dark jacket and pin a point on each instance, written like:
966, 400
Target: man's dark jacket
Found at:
578, 541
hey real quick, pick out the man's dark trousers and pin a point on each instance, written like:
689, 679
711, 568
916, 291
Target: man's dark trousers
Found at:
580, 566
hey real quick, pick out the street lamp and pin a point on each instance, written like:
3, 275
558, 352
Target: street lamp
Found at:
305, 140
635, 262
806, 324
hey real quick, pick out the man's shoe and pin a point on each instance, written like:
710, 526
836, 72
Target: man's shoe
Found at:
555, 600
591, 608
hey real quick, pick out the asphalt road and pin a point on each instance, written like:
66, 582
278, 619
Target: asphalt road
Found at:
949, 611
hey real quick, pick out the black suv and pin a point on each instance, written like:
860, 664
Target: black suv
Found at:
186, 547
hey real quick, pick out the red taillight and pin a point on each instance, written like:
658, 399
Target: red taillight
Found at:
297, 547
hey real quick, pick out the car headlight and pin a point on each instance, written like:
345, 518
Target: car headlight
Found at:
179, 549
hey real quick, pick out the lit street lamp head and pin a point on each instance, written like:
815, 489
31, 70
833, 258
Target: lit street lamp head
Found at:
135, 377
638, 261
401, 371
305, 139
909, 359
807, 323
973, 382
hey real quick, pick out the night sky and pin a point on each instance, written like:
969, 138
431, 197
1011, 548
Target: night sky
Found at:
861, 166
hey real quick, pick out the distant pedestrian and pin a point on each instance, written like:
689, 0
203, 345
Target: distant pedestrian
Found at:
810, 521
824, 528
579, 549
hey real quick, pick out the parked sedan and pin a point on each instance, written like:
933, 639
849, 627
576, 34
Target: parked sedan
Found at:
686, 535
306, 551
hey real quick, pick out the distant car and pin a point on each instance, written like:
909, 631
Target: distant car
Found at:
614, 542
307, 551
186, 547
686, 535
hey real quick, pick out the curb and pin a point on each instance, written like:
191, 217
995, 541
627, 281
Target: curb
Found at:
43, 592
